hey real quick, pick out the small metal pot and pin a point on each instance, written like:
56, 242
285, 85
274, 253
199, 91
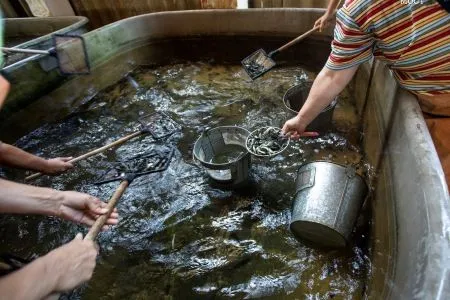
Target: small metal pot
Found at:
215, 141
295, 97
326, 204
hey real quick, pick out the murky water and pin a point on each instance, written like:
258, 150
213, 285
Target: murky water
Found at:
229, 153
180, 238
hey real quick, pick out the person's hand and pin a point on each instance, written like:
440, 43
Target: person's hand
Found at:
57, 165
324, 21
295, 128
84, 208
4, 89
71, 264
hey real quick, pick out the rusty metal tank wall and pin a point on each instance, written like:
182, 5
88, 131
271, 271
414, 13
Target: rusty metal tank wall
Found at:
410, 249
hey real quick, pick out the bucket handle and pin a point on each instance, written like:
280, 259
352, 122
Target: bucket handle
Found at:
306, 182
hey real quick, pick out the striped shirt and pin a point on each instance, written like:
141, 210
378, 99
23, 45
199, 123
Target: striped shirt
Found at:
413, 39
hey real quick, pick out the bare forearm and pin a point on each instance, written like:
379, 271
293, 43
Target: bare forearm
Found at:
27, 199
15, 157
332, 6
326, 87
31, 282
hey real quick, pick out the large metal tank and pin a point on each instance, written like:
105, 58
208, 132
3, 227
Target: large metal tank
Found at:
410, 204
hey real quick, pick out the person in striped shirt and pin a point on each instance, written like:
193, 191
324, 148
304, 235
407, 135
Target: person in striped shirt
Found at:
412, 37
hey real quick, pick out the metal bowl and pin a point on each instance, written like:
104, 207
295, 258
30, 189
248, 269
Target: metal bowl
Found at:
215, 141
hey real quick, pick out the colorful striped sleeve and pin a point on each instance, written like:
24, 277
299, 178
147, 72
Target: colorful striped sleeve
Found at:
351, 45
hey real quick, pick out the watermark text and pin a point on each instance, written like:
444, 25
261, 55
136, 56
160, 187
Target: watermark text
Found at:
411, 2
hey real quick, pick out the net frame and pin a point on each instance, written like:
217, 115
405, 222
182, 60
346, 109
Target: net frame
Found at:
148, 123
61, 59
122, 168
260, 59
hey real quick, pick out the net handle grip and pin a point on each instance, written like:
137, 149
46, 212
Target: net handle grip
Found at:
101, 221
93, 152
293, 42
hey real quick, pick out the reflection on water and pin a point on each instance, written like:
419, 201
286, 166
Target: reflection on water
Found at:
178, 236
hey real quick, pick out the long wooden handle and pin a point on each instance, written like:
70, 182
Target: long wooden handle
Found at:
296, 40
95, 229
93, 152
101, 149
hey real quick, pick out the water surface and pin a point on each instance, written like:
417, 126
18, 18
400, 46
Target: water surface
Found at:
179, 237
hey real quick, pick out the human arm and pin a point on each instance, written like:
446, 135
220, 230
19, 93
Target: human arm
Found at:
60, 270
15, 157
351, 47
74, 206
328, 84
325, 20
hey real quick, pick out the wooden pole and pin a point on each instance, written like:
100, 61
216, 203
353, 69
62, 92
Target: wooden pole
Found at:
97, 227
93, 152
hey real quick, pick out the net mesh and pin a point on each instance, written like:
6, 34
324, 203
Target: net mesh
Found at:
157, 160
71, 54
257, 63
159, 125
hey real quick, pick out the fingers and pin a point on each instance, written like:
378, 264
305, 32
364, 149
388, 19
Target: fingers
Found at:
79, 236
113, 218
112, 221
103, 209
294, 134
96, 206
65, 159
93, 214
89, 220
97, 247
67, 164
113, 215
58, 165
287, 134
285, 129
318, 24
106, 228
310, 134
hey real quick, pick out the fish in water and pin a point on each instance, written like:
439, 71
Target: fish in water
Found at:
257, 63
253, 68
267, 141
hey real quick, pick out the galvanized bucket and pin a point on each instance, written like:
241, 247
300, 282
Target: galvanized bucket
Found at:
295, 97
221, 151
327, 202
